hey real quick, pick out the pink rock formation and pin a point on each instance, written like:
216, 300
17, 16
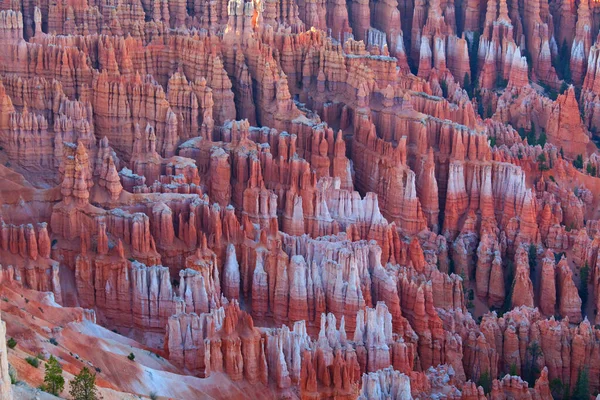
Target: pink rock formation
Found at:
582, 42
385, 383
548, 285
565, 128
569, 301
266, 190
522, 287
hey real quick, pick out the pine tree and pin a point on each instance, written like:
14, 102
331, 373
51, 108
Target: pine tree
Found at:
531, 369
473, 55
467, 84
542, 162
83, 387
578, 162
542, 139
582, 386
532, 256
556, 388
444, 86
564, 62
531, 136
54, 383
485, 381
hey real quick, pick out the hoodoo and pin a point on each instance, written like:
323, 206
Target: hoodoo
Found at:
300, 199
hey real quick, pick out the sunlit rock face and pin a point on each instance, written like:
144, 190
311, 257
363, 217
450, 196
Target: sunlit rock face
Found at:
308, 199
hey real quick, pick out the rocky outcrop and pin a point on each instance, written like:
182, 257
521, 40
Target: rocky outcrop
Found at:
385, 383
226, 341
522, 288
222, 341
316, 198
127, 294
28, 250
5, 380
548, 293
569, 301
565, 128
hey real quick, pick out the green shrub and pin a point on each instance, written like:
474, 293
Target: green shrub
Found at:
131, 356
578, 161
590, 169
444, 86
12, 343
582, 386
12, 372
485, 381
33, 361
542, 162
542, 139
563, 65
531, 370
557, 388
532, 255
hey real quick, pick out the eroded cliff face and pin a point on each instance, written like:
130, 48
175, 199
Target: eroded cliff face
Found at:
321, 199
5, 385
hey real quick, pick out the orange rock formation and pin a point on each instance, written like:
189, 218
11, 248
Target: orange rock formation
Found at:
303, 198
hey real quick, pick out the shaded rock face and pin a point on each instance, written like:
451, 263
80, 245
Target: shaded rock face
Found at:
335, 199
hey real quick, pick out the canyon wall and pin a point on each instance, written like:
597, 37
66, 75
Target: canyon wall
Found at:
345, 198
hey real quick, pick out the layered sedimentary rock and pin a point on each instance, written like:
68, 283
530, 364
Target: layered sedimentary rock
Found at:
223, 341
565, 128
29, 249
548, 293
315, 198
386, 383
227, 341
582, 42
